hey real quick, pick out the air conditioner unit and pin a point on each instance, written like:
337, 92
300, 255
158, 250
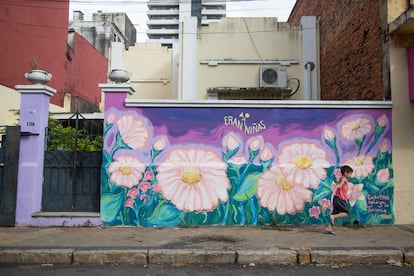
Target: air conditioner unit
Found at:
271, 76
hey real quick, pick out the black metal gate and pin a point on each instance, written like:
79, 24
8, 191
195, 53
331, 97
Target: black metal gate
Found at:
9, 163
72, 166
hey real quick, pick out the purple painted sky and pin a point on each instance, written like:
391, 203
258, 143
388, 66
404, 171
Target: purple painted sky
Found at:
207, 125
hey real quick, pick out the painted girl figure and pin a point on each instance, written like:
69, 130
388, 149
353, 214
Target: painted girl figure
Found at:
340, 203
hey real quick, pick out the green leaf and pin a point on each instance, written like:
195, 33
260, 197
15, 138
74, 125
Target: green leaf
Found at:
119, 143
107, 159
193, 218
248, 188
110, 206
165, 214
105, 188
266, 164
360, 206
324, 190
214, 217
370, 184
131, 215
233, 174
230, 154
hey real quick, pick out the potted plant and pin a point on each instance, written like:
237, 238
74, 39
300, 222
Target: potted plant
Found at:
119, 75
36, 75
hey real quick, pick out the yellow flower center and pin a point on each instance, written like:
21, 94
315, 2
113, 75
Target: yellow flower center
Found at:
356, 127
303, 162
283, 183
125, 170
358, 162
191, 175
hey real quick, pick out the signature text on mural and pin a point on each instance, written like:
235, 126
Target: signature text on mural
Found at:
242, 124
378, 203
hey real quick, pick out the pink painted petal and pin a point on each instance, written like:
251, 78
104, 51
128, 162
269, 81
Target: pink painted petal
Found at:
281, 204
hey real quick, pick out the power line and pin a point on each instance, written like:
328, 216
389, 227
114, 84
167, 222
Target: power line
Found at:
26, 32
25, 4
122, 2
43, 4
10, 23
38, 4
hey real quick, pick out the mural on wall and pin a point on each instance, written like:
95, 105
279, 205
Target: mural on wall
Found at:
183, 166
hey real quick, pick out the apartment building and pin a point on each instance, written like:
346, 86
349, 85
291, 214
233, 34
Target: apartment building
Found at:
164, 17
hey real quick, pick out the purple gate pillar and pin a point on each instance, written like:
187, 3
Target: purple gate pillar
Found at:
34, 107
115, 93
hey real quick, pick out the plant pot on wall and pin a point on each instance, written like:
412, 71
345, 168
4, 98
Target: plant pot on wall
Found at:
119, 75
37, 76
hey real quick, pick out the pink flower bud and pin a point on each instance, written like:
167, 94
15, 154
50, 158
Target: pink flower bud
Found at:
255, 143
328, 134
382, 120
148, 176
326, 204
231, 141
144, 187
133, 193
111, 118
314, 212
266, 154
384, 146
383, 175
129, 203
160, 143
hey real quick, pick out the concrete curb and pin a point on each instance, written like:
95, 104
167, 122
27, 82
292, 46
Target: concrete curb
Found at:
271, 257
332, 257
36, 256
110, 256
190, 256
409, 257
200, 256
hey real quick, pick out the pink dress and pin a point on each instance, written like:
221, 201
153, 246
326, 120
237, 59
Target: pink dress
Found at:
342, 192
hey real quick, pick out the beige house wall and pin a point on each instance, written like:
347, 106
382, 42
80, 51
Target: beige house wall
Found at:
151, 68
66, 105
260, 41
403, 125
9, 106
403, 142
395, 8
257, 40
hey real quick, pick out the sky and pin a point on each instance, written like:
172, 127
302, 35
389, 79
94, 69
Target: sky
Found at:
137, 10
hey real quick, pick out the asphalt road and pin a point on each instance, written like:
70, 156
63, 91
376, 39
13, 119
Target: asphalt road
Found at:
239, 270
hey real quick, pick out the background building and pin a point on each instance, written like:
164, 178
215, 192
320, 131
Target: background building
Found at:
164, 17
36, 37
235, 58
151, 68
353, 47
245, 58
105, 28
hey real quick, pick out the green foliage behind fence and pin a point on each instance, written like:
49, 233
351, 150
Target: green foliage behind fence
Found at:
70, 139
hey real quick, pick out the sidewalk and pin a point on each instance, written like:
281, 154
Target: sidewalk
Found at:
222, 245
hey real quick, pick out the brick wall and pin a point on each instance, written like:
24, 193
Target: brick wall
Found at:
353, 48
